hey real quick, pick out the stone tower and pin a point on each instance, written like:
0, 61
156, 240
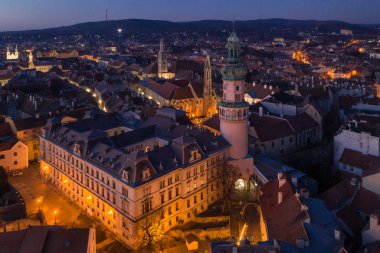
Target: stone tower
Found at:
162, 60
207, 88
233, 110
31, 59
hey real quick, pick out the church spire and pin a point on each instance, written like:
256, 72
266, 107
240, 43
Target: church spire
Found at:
162, 60
207, 86
233, 46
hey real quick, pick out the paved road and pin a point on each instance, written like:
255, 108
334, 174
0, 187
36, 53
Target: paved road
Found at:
38, 194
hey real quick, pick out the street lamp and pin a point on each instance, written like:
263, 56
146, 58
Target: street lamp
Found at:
55, 217
39, 200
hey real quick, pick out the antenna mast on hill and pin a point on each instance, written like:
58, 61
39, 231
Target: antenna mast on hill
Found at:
106, 13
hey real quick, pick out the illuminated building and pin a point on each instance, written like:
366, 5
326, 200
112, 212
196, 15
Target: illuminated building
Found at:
13, 154
346, 32
60, 54
301, 57
43, 66
233, 110
122, 176
12, 55
162, 61
196, 98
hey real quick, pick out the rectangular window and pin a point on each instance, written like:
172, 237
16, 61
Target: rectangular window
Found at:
162, 198
15, 154
2, 156
124, 191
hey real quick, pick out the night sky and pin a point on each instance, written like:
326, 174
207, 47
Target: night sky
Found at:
33, 14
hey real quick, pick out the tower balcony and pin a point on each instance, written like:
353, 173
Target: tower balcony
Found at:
237, 111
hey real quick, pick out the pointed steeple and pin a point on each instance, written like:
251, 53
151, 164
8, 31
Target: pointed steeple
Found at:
233, 46
162, 59
207, 86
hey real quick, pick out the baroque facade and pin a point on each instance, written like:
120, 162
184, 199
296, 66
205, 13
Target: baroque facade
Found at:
123, 176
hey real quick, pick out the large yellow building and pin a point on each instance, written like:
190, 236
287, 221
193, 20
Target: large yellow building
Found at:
161, 170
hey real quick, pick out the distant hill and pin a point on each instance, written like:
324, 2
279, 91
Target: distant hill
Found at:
142, 25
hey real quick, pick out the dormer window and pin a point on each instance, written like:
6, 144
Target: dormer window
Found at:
146, 174
194, 155
76, 149
125, 176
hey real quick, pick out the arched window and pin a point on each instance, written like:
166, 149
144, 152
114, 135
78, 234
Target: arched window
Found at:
239, 113
234, 113
244, 113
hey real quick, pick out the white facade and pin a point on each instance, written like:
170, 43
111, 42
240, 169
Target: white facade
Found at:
362, 142
14, 158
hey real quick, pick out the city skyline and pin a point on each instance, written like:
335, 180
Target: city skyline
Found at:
45, 14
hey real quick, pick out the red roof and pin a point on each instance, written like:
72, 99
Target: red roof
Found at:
366, 201
270, 128
338, 195
285, 219
5, 129
368, 163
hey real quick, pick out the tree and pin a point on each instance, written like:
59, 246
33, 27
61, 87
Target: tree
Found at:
149, 232
229, 176
3, 179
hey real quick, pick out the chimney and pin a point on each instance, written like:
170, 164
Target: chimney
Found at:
337, 234
279, 197
353, 181
305, 193
300, 243
294, 181
373, 221
260, 111
275, 243
279, 175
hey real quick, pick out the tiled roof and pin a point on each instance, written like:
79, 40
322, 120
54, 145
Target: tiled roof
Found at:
270, 128
338, 195
366, 201
368, 163
285, 219
45, 240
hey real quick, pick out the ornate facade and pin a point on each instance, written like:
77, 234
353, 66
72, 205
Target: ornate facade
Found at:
167, 174
12, 55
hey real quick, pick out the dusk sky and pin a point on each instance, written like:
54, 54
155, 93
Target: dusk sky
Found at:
34, 14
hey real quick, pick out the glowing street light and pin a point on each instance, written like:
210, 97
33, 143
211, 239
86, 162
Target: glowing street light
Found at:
55, 217
119, 30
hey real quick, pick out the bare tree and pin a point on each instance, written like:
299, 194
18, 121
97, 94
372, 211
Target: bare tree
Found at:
150, 232
229, 175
